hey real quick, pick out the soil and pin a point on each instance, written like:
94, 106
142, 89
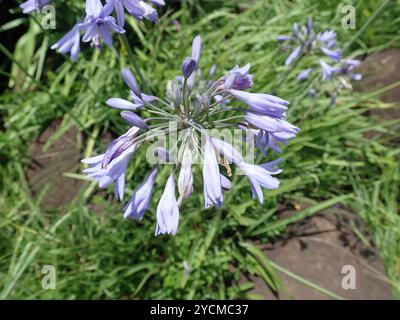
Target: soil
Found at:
47, 167
317, 249
380, 70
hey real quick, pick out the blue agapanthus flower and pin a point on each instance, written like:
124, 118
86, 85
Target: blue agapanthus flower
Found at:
137, 8
304, 40
31, 6
192, 110
70, 43
334, 70
98, 25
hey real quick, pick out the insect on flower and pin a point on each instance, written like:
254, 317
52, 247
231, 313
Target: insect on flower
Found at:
192, 110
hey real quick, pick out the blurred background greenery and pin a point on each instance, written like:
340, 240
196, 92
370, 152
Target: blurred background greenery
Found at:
98, 254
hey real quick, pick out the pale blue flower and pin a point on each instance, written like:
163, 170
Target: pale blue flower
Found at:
110, 167
69, 43
327, 70
262, 103
33, 5
139, 9
167, 210
99, 24
260, 177
211, 177
239, 78
303, 75
140, 200
334, 55
296, 52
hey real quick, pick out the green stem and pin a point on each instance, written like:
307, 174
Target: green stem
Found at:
286, 74
132, 60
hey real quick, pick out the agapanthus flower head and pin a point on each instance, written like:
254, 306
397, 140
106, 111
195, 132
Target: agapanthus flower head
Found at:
334, 73
192, 111
304, 41
31, 6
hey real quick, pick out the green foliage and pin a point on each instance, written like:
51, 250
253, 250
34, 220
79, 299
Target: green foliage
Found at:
98, 254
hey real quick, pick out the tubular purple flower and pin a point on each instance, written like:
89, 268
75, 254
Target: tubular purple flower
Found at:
149, 12
118, 103
283, 38
266, 140
346, 69
352, 63
293, 55
33, 5
259, 177
239, 78
196, 49
211, 177
158, 3
188, 66
70, 42
167, 210
185, 179
303, 75
138, 9
295, 29
98, 23
111, 166
334, 55
119, 10
327, 70
309, 25
271, 166
130, 81
355, 76
225, 182
262, 103
142, 100
262, 140
326, 36
112, 173
134, 120
270, 124
139, 202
